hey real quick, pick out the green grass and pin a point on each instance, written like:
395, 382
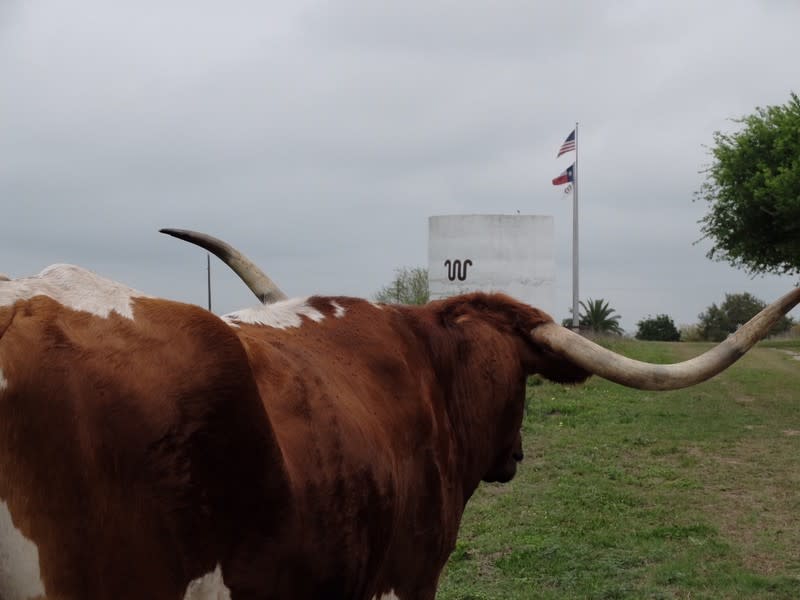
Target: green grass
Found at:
629, 494
792, 344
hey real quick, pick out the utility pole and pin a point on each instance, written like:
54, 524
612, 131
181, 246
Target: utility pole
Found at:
208, 271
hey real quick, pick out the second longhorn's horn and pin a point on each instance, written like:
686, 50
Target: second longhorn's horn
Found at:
262, 286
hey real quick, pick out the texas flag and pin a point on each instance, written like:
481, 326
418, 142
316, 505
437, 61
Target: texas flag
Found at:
565, 177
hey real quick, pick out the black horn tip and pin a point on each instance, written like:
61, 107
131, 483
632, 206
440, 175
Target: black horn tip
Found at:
210, 243
178, 233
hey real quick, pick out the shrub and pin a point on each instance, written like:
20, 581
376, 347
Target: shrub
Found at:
660, 328
691, 333
409, 286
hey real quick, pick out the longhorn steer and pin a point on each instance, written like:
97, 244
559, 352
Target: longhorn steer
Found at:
311, 448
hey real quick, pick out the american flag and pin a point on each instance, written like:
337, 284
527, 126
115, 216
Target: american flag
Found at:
568, 145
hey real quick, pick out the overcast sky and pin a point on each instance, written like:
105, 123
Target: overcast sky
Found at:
318, 137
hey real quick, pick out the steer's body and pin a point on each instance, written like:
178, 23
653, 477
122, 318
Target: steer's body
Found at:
322, 448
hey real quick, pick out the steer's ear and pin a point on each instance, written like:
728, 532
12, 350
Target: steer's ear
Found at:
542, 361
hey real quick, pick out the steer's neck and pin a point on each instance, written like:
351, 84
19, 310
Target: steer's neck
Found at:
478, 383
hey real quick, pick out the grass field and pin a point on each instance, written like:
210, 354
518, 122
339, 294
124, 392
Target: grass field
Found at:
628, 494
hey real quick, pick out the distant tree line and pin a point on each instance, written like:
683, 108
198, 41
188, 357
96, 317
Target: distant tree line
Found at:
718, 322
714, 324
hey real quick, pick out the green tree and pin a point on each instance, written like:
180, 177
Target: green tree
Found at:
597, 316
718, 322
660, 328
753, 190
409, 286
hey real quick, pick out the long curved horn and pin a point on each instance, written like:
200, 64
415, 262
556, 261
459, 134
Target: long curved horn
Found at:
261, 285
647, 376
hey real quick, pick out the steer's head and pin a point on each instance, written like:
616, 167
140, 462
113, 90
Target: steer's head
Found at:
483, 353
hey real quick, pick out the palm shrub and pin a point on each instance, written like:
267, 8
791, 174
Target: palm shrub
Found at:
597, 316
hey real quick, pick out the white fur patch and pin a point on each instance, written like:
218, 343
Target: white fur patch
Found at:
280, 315
390, 595
75, 288
338, 309
208, 587
20, 578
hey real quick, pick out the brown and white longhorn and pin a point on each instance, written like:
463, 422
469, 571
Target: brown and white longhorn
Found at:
320, 447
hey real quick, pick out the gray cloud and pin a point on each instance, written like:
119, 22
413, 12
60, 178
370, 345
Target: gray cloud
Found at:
319, 137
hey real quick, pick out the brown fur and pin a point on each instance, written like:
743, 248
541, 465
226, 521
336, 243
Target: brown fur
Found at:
332, 460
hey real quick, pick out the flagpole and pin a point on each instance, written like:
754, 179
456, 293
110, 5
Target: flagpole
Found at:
575, 296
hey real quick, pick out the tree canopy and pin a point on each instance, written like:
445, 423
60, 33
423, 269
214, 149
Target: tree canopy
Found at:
717, 322
753, 191
409, 286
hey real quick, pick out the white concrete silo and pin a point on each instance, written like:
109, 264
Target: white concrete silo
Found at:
513, 254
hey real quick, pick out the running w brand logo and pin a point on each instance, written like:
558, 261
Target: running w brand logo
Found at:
457, 269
